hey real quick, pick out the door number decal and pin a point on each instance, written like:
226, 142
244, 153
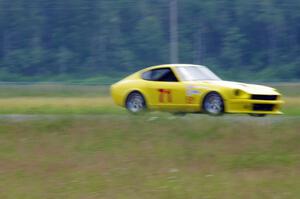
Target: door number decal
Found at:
165, 94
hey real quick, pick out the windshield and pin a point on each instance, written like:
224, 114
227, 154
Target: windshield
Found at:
195, 73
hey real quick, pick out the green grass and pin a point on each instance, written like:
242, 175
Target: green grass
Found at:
59, 105
143, 157
90, 99
52, 90
288, 89
72, 142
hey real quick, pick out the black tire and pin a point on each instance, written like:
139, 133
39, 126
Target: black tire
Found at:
213, 104
257, 115
135, 103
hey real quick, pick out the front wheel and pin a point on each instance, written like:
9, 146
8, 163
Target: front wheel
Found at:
213, 104
135, 103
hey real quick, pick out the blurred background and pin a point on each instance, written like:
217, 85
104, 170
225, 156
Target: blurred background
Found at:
102, 40
62, 137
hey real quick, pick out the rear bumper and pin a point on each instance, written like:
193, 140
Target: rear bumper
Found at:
253, 106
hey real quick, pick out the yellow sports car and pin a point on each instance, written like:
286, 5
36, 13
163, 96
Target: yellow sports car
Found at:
186, 88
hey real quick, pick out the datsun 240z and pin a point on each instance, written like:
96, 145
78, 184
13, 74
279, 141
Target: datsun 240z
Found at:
186, 88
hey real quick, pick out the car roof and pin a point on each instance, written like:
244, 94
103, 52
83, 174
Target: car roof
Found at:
171, 66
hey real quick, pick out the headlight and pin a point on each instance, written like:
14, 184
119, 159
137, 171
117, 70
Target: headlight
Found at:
237, 92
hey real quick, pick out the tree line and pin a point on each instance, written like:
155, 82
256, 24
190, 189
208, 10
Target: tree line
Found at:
258, 38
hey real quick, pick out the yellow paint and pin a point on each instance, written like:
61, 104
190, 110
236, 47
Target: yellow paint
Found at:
183, 91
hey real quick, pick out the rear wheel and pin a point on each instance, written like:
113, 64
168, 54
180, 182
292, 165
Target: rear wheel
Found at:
135, 103
213, 104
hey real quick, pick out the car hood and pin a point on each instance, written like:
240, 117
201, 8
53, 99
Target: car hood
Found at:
248, 88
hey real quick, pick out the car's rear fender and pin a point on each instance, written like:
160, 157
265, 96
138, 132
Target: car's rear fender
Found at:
128, 92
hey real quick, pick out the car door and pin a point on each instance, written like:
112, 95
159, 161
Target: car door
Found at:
164, 89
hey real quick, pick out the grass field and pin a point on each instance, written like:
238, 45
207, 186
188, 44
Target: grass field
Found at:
59, 141
84, 99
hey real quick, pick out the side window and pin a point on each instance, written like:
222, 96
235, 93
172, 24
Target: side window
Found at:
163, 75
147, 75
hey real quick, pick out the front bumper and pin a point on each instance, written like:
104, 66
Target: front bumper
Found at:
250, 106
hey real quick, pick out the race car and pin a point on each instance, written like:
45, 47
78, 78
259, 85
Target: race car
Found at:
187, 88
